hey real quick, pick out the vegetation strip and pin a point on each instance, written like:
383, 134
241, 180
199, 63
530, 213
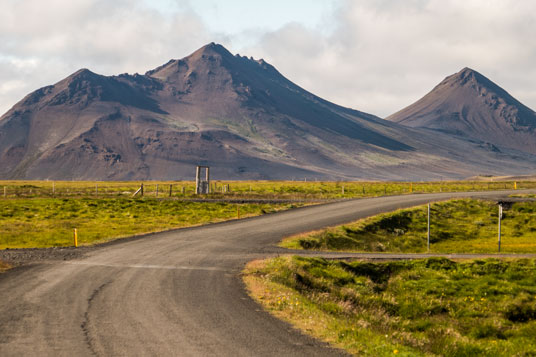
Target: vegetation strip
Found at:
434, 306
49, 222
457, 226
278, 190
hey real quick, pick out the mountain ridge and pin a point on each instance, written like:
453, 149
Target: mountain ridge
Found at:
239, 115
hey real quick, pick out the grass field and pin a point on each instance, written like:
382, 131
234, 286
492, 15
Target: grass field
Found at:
409, 308
457, 226
245, 189
49, 222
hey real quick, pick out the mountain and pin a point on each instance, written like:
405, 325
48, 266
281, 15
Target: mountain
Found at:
236, 114
470, 105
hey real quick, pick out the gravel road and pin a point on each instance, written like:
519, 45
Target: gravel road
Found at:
170, 293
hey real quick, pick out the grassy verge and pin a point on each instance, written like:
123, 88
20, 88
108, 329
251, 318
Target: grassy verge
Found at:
413, 308
457, 226
49, 222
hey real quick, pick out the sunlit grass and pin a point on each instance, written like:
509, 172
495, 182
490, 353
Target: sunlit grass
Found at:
413, 308
49, 222
457, 226
246, 189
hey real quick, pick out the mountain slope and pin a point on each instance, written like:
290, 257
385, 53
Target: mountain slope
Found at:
469, 104
236, 114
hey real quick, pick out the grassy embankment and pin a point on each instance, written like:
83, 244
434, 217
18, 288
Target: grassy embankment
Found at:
49, 222
411, 308
457, 226
421, 307
246, 189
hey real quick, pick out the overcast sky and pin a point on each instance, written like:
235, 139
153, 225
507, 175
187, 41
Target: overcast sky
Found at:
376, 56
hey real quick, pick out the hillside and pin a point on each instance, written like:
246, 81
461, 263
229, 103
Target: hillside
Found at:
237, 114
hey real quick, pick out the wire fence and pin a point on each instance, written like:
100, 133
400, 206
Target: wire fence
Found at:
244, 189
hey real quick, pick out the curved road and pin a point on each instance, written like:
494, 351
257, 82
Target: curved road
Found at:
172, 293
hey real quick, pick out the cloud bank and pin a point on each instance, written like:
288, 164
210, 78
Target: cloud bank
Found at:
375, 56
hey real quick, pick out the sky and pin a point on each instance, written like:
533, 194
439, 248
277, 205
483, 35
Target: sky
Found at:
377, 56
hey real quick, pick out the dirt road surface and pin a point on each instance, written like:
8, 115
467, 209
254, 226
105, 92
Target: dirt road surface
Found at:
176, 293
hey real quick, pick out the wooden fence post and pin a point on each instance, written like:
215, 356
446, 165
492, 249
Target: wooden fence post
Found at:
170, 190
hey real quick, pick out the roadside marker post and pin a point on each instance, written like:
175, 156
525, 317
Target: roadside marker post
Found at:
499, 229
515, 185
75, 238
237, 211
428, 232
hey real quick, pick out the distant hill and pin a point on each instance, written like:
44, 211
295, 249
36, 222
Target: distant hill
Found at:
236, 114
470, 105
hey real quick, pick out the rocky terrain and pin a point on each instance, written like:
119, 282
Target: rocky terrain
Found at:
236, 114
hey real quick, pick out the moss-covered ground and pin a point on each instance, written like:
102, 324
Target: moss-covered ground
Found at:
431, 307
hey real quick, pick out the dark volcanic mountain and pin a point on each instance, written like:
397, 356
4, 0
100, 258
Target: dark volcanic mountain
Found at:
469, 104
236, 114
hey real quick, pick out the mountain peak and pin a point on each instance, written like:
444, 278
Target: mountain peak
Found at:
469, 104
211, 49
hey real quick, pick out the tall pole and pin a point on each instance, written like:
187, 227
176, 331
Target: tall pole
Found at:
500, 217
428, 233
207, 178
197, 179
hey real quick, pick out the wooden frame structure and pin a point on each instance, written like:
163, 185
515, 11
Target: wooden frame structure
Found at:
202, 186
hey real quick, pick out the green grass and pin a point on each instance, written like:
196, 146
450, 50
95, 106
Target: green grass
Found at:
246, 189
457, 226
49, 222
413, 308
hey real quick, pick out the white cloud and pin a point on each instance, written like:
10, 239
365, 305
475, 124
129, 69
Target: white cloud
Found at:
383, 55
43, 42
373, 55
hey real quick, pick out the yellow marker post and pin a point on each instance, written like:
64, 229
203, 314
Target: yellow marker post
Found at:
515, 185
411, 187
75, 238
